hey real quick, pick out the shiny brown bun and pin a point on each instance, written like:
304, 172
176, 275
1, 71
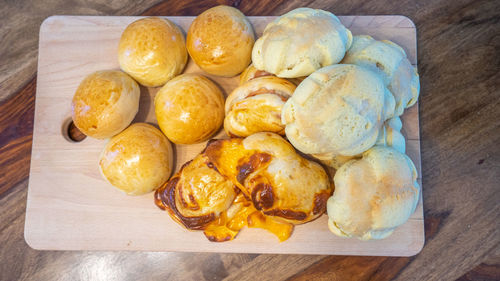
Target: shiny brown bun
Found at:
138, 160
189, 108
105, 103
220, 41
152, 51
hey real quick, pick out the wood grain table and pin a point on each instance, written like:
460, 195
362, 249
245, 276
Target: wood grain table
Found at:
459, 64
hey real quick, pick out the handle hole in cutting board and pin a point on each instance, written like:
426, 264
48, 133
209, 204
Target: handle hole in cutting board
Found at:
71, 133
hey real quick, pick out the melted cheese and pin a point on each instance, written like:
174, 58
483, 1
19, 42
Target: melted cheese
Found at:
242, 213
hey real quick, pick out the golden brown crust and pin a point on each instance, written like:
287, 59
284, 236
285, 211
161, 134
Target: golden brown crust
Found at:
138, 160
256, 106
189, 108
152, 50
269, 172
196, 195
220, 41
105, 103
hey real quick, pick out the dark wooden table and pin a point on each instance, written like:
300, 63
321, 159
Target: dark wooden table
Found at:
459, 65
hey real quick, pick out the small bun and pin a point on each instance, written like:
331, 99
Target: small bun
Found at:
152, 51
256, 106
337, 110
388, 60
373, 195
138, 160
220, 41
189, 109
300, 42
105, 103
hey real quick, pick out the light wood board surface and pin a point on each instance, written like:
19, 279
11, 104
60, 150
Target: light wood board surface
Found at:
70, 207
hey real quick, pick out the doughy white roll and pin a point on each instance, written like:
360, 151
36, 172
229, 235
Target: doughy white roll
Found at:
373, 195
388, 60
300, 42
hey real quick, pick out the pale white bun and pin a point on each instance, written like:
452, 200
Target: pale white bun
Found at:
300, 42
338, 109
388, 60
373, 195
389, 135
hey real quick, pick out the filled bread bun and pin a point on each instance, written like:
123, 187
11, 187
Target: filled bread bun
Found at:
220, 41
199, 197
373, 195
256, 106
280, 183
196, 195
389, 135
105, 103
138, 160
337, 110
390, 62
300, 42
189, 109
152, 51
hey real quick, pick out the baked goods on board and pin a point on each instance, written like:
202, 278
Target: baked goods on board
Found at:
338, 100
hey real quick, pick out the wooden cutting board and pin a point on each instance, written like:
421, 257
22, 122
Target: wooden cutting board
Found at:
70, 207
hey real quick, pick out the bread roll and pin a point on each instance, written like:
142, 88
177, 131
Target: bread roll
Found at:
197, 195
389, 135
200, 197
268, 170
220, 41
152, 51
138, 160
105, 103
189, 109
338, 109
373, 195
388, 60
256, 106
300, 42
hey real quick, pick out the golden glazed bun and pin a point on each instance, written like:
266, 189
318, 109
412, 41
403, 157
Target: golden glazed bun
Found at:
105, 103
281, 184
189, 109
373, 195
337, 110
390, 62
138, 160
220, 41
256, 106
300, 42
152, 51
